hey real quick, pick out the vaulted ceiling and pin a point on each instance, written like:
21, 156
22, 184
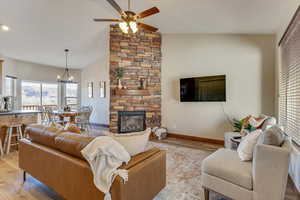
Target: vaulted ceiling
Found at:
42, 29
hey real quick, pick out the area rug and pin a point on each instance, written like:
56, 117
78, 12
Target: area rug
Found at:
183, 173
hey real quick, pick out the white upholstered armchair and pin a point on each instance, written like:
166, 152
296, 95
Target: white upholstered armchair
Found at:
264, 178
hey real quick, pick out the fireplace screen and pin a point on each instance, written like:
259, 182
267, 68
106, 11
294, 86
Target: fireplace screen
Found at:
131, 121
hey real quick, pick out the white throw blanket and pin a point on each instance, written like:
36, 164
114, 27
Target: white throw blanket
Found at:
105, 156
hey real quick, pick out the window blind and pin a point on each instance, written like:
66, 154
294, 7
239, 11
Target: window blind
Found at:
289, 81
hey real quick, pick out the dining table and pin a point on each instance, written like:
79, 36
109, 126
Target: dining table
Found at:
66, 114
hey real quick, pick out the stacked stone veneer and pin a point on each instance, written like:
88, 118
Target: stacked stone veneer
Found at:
140, 56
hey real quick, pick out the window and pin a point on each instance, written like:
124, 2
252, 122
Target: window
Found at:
289, 88
71, 94
35, 94
31, 94
10, 86
49, 94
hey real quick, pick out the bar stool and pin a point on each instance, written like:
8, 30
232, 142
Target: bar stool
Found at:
10, 135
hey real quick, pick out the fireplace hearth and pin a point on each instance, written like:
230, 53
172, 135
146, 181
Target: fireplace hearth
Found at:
131, 121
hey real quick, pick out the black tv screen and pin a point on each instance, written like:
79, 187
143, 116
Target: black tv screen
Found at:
209, 88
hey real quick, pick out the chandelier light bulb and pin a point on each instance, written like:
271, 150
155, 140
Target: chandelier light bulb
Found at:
4, 27
58, 77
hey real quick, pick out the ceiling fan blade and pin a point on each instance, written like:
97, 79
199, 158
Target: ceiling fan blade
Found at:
148, 12
107, 20
117, 7
147, 27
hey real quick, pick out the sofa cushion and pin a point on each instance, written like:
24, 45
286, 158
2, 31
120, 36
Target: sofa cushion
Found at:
72, 143
134, 143
226, 164
43, 135
70, 127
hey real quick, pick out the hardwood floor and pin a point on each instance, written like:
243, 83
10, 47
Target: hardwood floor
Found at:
12, 187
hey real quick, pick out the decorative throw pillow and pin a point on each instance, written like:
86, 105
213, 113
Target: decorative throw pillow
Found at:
269, 122
272, 136
58, 127
72, 128
246, 147
134, 143
256, 122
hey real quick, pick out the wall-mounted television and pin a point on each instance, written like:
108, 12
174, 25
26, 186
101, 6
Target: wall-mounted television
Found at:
209, 88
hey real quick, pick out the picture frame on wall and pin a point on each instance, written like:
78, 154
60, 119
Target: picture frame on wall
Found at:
90, 90
102, 89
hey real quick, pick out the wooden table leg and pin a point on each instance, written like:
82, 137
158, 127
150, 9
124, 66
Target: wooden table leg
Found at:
206, 193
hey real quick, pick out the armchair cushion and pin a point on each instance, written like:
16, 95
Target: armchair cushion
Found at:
225, 164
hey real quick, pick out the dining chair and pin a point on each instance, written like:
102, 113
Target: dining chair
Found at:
52, 118
44, 116
83, 118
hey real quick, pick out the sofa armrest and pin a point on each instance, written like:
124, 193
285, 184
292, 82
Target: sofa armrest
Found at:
270, 172
146, 179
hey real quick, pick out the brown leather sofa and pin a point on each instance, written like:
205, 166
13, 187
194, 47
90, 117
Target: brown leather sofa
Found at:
54, 158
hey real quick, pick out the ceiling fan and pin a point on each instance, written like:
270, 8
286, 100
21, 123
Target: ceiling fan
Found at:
129, 19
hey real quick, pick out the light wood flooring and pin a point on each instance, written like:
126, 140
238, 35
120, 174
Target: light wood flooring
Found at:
12, 188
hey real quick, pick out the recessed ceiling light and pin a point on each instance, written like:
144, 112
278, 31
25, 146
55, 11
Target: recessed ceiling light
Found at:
4, 27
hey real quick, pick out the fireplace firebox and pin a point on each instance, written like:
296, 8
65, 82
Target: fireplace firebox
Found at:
131, 121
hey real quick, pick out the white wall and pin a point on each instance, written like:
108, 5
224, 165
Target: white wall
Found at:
96, 72
246, 60
35, 72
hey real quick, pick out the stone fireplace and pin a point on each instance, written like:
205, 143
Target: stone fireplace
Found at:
131, 121
139, 55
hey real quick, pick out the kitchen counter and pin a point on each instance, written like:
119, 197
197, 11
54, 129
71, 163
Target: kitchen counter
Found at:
24, 117
20, 112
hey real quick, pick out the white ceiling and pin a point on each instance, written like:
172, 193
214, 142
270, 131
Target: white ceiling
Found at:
42, 29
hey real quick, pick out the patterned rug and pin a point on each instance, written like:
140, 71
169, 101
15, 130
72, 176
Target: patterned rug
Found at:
183, 173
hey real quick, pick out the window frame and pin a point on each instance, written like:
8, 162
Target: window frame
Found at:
14, 85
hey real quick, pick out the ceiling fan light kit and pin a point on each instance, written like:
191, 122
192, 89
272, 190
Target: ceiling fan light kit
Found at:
128, 22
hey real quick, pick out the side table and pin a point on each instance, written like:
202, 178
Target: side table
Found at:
230, 142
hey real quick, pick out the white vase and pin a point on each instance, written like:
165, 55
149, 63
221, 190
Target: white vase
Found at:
120, 84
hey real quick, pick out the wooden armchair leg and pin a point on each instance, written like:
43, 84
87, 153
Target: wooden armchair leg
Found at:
24, 177
206, 193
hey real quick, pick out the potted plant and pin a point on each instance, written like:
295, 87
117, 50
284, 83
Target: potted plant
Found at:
238, 125
119, 76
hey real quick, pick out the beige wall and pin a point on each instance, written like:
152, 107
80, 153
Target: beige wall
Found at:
248, 62
34, 72
96, 72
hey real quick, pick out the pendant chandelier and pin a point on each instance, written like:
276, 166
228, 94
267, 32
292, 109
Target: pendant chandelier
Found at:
66, 77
